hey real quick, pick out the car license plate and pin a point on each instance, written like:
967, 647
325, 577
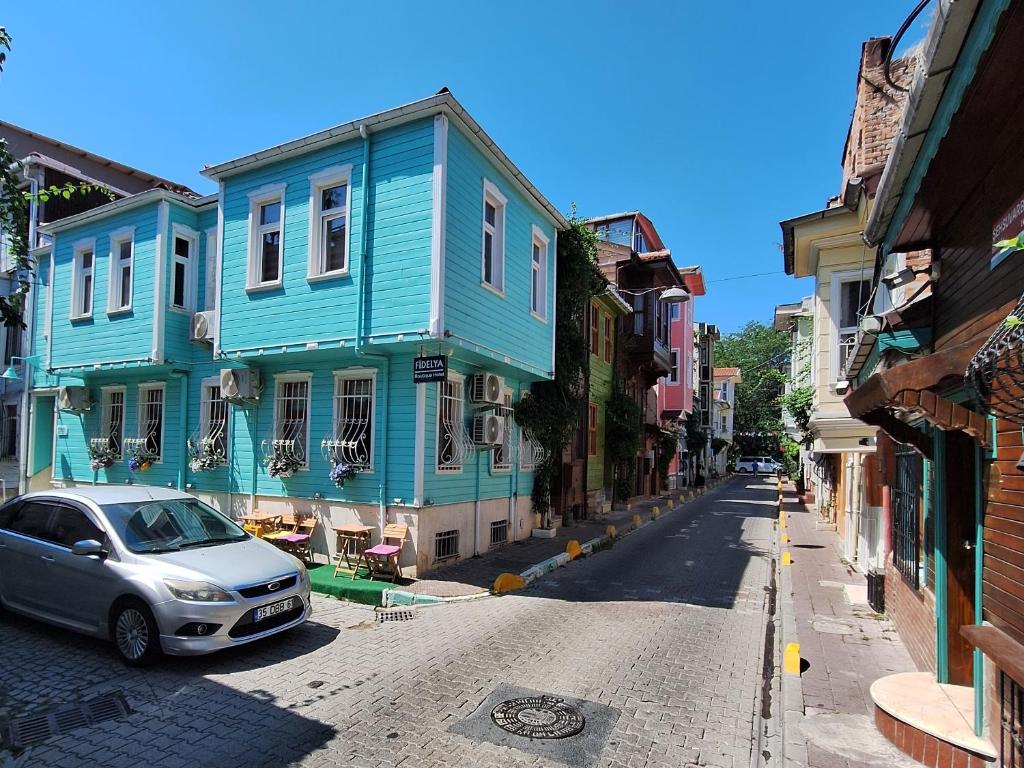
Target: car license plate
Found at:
266, 611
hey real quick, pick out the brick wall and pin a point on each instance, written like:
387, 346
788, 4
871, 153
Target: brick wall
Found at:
878, 110
913, 613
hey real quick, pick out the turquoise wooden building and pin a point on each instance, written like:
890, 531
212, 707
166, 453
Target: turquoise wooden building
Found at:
257, 346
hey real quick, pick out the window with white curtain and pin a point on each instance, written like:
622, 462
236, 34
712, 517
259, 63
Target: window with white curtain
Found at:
352, 439
112, 418
151, 419
291, 413
213, 418
452, 440
501, 456
122, 251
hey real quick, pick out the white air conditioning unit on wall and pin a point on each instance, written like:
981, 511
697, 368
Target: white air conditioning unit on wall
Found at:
201, 328
74, 399
488, 429
486, 388
239, 384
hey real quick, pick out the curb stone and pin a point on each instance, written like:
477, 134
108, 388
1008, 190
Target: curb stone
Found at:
793, 746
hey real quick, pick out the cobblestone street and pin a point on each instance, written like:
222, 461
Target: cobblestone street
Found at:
666, 629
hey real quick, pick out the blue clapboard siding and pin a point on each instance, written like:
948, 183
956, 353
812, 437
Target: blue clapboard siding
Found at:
452, 487
104, 337
503, 324
398, 247
177, 325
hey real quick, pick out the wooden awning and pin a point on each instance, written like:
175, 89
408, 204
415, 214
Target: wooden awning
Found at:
888, 400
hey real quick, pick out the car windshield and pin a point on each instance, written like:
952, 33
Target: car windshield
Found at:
170, 525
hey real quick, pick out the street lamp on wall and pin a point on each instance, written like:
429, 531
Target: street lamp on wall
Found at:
672, 295
11, 373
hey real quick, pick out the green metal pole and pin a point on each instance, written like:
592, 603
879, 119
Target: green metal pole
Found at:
979, 542
939, 506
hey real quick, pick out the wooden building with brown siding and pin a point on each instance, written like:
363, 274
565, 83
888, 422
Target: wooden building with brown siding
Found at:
953, 408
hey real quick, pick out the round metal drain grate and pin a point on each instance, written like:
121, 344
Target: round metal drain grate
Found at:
538, 717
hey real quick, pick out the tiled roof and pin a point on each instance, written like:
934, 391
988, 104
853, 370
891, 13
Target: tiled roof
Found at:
723, 372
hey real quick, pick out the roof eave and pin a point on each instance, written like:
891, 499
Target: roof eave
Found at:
437, 104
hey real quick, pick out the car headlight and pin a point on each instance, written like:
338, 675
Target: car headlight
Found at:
197, 591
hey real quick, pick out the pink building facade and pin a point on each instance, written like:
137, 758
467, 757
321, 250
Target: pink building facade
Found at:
675, 392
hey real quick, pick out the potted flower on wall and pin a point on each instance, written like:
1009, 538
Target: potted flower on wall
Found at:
282, 464
204, 455
101, 456
139, 461
340, 472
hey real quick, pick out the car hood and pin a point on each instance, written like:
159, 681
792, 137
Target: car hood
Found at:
231, 566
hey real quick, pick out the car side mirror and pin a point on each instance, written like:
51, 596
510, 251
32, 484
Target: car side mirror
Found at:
88, 547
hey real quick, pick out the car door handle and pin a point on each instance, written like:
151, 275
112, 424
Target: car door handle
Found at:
46, 558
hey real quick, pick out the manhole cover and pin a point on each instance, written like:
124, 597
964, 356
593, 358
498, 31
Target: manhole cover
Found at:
538, 717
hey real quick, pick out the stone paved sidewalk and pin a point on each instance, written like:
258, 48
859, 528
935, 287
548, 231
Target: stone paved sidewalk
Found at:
476, 574
845, 647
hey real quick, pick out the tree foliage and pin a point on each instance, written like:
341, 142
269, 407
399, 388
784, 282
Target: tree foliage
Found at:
798, 404
550, 412
15, 204
623, 429
762, 354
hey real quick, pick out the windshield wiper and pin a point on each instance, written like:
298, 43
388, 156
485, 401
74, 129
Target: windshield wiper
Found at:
159, 550
208, 542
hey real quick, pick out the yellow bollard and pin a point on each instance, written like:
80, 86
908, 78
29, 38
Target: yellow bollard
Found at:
791, 659
508, 582
610, 531
670, 504
636, 521
573, 549
787, 559
785, 538
655, 513
782, 523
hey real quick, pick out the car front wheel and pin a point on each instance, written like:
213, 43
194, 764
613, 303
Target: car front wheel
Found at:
136, 635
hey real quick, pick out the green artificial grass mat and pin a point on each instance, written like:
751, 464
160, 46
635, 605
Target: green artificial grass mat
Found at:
359, 590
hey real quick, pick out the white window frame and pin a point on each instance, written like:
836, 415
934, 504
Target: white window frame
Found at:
117, 239
78, 275
191, 236
271, 193
356, 374
143, 422
675, 352
835, 309
507, 445
539, 303
290, 378
206, 411
493, 196
105, 413
318, 182
460, 423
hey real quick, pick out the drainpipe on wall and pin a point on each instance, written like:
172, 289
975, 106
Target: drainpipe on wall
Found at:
364, 228
254, 422
979, 562
476, 509
182, 379
857, 492
26, 415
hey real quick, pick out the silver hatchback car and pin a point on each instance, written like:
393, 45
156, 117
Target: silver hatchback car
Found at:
154, 570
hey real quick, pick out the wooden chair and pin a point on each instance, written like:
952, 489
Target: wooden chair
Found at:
382, 560
295, 535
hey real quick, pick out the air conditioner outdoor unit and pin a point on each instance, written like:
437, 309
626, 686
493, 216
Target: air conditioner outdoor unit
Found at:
488, 429
201, 328
239, 384
486, 388
74, 399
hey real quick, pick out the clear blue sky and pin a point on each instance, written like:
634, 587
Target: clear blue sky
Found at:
716, 119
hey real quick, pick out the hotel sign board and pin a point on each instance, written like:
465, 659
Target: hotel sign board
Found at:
430, 368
